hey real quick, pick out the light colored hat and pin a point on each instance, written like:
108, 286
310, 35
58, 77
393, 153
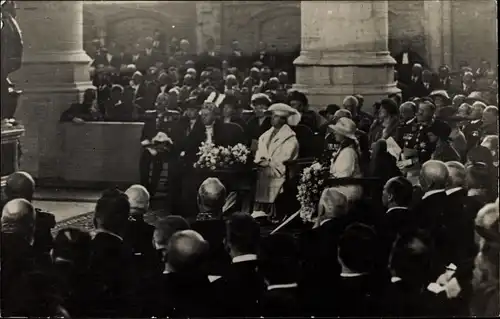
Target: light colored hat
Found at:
475, 96
137, 73
345, 127
191, 71
442, 93
254, 69
285, 110
174, 90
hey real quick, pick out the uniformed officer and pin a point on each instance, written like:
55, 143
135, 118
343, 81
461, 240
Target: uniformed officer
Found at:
417, 149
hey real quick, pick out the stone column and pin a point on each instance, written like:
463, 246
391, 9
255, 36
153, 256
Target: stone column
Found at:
344, 50
437, 27
53, 75
208, 23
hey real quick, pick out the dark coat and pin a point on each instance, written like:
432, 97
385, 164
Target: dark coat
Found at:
45, 221
281, 302
404, 70
238, 291
445, 152
139, 237
181, 294
79, 110
118, 60
472, 132
145, 61
121, 112
255, 130
205, 60
214, 231
394, 222
111, 272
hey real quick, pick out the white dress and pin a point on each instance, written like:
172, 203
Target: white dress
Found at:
346, 164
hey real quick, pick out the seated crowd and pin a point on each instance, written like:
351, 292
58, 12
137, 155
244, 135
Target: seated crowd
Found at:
421, 241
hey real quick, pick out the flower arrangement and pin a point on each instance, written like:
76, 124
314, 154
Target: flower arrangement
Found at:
213, 157
311, 185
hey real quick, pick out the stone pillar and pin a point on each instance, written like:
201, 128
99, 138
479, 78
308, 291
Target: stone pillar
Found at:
437, 27
344, 50
53, 75
208, 23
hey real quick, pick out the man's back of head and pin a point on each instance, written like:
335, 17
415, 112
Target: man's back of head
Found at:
112, 211
433, 175
243, 234
398, 191
457, 174
138, 198
357, 249
332, 204
211, 196
20, 185
18, 217
166, 227
185, 250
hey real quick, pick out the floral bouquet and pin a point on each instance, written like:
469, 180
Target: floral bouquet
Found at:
311, 185
215, 157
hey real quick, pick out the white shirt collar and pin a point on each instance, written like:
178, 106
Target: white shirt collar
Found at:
432, 192
118, 103
453, 190
242, 258
396, 207
282, 286
410, 121
109, 233
324, 221
350, 275
474, 192
475, 121
395, 279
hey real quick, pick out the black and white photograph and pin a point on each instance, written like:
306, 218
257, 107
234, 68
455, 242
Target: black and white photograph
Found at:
249, 159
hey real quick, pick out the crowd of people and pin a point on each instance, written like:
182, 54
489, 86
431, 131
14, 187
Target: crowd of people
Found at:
422, 240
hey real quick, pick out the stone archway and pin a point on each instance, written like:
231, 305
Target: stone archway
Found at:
131, 25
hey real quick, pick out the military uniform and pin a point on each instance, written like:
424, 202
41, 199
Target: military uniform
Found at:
416, 146
472, 132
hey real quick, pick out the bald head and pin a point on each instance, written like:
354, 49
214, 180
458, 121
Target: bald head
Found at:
211, 195
342, 113
433, 175
18, 217
138, 197
185, 250
457, 174
332, 204
407, 110
20, 185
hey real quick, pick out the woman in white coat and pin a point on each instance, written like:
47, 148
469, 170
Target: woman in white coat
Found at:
345, 162
275, 146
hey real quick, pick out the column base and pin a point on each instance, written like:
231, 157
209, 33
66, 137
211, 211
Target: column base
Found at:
328, 77
49, 88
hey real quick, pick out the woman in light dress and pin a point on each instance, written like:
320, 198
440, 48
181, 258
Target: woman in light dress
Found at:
275, 146
345, 162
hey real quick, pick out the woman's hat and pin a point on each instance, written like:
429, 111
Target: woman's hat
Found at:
330, 109
298, 96
345, 127
286, 111
441, 93
260, 98
475, 97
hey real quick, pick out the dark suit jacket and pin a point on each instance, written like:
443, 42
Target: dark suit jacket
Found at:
430, 215
145, 61
118, 60
357, 297
395, 221
405, 69
239, 290
255, 130
139, 237
472, 132
77, 110
214, 231
111, 271
417, 89
45, 221
318, 251
180, 294
281, 302
205, 60
267, 59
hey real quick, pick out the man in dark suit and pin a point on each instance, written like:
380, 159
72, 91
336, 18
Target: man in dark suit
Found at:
183, 290
416, 87
468, 84
240, 289
136, 92
210, 224
148, 57
430, 211
280, 266
318, 251
359, 287
396, 197
27, 289
264, 56
124, 58
111, 265
209, 58
472, 131
259, 122
139, 234
405, 60
236, 57
22, 185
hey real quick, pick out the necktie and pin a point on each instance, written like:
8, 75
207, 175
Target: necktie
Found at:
273, 134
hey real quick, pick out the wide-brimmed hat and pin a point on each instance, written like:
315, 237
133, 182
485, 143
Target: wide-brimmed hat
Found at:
474, 97
330, 109
441, 93
345, 127
286, 111
298, 96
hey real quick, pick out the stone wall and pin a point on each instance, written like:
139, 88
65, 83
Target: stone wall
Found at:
470, 32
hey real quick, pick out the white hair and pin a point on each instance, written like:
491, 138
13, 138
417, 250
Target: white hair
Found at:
138, 197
